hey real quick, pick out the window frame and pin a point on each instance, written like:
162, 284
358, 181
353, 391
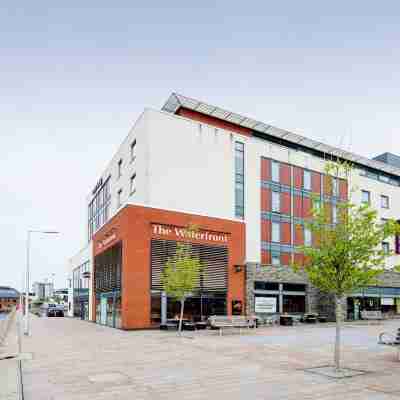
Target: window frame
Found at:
132, 184
119, 198
367, 192
307, 173
133, 151
277, 233
275, 169
275, 197
385, 198
120, 168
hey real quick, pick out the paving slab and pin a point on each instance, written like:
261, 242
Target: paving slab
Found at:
76, 360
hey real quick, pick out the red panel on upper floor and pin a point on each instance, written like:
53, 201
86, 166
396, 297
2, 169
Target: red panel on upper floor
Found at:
285, 203
298, 177
265, 169
316, 182
343, 188
265, 199
284, 174
285, 233
265, 231
209, 120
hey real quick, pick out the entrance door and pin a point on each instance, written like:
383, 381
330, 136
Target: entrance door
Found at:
103, 310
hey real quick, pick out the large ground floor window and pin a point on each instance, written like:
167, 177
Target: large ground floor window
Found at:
389, 306
107, 279
197, 308
279, 297
108, 309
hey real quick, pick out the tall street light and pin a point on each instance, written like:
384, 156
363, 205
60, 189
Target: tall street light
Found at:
28, 243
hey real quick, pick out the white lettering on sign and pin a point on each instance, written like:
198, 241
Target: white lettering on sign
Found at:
107, 240
184, 233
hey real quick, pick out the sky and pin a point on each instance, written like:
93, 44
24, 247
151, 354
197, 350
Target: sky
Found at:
74, 78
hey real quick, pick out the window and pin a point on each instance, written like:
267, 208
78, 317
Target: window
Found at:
276, 202
239, 180
306, 180
275, 171
365, 197
133, 150
386, 247
133, 183
261, 285
119, 168
384, 201
307, 237
334, 214
335, 187
119, 200
98, 209
276, 259
276, 232
317, 204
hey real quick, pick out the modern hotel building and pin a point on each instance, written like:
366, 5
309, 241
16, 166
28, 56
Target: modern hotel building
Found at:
247, 185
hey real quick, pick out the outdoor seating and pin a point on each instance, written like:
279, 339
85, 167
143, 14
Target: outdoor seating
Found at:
388, 339
372, 315
234, 321
310, 318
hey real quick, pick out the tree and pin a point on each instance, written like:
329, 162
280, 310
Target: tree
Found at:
347, 254
181, 275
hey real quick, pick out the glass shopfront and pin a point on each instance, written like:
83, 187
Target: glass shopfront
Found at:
210, 297
289, 298
81, 291
374, 298
107, 275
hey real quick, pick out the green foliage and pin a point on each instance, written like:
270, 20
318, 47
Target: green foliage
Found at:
347, 255
181, 274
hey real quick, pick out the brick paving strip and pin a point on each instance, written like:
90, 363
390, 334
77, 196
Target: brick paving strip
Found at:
9, 368
77, 360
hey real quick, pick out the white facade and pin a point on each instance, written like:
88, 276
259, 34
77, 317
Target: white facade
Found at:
188, 166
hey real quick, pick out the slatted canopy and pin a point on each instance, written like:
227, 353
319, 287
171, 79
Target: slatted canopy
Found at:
176, 101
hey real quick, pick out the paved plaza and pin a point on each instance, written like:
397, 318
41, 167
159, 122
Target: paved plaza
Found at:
77, 360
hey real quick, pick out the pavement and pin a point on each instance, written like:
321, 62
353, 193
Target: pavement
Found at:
9, 378
78, 360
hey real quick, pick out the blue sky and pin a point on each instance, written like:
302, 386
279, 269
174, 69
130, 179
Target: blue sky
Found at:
74, 78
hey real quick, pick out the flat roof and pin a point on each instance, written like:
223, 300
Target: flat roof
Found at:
175, 101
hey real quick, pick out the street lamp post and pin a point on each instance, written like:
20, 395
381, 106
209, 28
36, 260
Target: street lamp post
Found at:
27, 273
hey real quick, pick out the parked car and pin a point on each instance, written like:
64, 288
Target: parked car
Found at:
52, 310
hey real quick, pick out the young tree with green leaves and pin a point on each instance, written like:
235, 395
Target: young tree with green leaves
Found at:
347, 254
181, 276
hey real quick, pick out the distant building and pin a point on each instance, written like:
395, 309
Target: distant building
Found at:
43, 290
9, 298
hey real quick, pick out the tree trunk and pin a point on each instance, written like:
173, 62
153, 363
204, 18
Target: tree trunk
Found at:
339, 319
181, 317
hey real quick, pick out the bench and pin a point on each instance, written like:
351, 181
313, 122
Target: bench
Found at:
234, 321
372, 315
387, 339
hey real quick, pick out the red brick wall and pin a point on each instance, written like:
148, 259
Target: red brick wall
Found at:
133, 226
265, 199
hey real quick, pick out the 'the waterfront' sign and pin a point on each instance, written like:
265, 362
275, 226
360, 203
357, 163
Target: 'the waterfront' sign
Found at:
109, 237
184, 233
